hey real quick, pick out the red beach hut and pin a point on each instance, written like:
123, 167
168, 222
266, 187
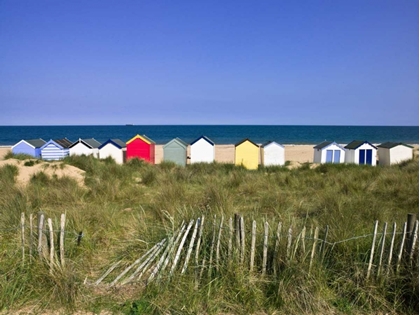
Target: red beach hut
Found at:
141, 147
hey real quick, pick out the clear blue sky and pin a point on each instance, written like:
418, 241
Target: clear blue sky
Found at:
335, 62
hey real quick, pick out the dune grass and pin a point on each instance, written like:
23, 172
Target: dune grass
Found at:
125, 209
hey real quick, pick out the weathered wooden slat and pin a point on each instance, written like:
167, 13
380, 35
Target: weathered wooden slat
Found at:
276, 248
213, 239
253, 240
200, 235
137, 261
107, 272
242, 225
180, 247
190, 247
401, 247
40, 233
265, 248
382, 250
372, 250
22, 226
391, 248
218, 243
230, 239
313, 248
51, 244
413, 240
62, 226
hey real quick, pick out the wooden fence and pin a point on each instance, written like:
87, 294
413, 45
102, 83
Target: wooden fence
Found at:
208, 248
42, 240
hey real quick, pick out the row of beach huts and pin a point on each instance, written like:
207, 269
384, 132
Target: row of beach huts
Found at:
202, 150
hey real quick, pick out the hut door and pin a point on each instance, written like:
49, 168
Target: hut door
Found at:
329, 156
337, 156
369, 157
362, 156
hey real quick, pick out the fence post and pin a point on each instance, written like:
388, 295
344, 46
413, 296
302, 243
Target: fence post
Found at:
31, 236
276, 248
391, 248
372, 250
265, 248
253, 238
413, 240
230, 239
313, 248
190, 247
401, 246
382, 250
22, 224
51, 244
242, 224
62, 225
40, 232
218, 243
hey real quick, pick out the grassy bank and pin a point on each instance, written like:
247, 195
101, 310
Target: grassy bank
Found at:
125, 209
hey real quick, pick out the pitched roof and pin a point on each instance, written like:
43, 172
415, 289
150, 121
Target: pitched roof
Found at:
326, 144
244, 140
143, 137
390, 145
90, 143
116, 142
178, 140
37, 143
203, 137
357, 143
64, 142
271, 142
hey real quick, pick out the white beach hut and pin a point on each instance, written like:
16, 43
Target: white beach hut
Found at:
202, 150
360, 152
329, 152
86, 147
114, 148
272, 154
394, 153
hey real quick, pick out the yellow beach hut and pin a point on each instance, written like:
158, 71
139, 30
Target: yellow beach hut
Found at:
246, 154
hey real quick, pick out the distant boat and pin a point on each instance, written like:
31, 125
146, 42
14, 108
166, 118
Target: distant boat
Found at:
129, 124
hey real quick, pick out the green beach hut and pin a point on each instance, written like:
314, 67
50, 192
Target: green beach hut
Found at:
175, 151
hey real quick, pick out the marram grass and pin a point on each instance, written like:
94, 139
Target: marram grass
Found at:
124, 210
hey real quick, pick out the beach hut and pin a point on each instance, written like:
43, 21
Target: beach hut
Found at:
86, 147
329, 152
394, 153
272, 153
56, 149
30, 147
141, 147
202, 150
360, 152
175, 151
247, 154
114, 148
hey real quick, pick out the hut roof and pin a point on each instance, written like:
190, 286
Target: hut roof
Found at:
270, 142
205, 138
143, 137
91, 143
244, 140
116, 142
325, 144
178, 140
64, 142
36, 143
357, 143
390, 145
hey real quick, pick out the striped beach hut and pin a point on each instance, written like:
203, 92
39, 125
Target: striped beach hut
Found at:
393, 153
175, 151
85, 147
272, 154
30, 147
360, 152
202, 150
247, 154
56, 149
113, 148
329, 152
141, 147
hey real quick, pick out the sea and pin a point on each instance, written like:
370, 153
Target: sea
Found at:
219, 134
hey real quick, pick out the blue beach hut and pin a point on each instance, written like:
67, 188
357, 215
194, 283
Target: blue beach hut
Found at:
30, 147
56, 149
